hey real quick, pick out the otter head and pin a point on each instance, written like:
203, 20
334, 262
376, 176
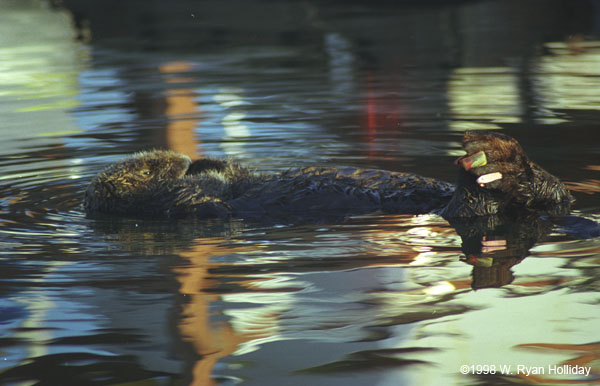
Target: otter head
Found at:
497, 177
136, 185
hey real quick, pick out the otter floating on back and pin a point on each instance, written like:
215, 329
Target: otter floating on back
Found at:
495, 177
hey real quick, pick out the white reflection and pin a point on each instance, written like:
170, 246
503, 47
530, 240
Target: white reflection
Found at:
233, 120
570, 79
341, 63
441, 288
39, 86
489, 94
424, 258
228, 100
38, 74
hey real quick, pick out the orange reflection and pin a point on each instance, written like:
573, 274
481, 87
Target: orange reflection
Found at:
586, 186
211, 340
203, 282
588, 356
399, 239
576, 44
182, 110
590, 186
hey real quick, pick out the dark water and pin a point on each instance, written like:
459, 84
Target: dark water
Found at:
374, 300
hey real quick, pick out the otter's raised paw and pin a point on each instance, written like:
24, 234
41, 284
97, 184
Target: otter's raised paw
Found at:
495, 161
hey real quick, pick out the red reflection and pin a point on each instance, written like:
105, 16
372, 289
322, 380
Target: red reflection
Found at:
383, 114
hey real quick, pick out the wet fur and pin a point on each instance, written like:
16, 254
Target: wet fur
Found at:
524, 186
210, 187
137, 184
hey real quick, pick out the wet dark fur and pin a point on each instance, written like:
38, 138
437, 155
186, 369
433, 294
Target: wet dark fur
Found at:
217, 188
138, 184
525, 186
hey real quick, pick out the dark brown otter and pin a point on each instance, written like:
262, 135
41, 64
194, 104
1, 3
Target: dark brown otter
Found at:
495, 176
166, 184
136, 184
504, 181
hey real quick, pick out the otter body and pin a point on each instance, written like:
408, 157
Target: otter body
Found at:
518, 185
330, 191
167, 184
217, 188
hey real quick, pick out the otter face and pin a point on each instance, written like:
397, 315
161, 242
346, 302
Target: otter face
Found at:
134, 185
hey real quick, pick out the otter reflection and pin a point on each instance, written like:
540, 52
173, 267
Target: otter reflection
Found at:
493, 245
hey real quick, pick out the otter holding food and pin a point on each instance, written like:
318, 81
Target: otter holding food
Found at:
495, 176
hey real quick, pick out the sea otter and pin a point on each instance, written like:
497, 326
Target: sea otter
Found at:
495, 177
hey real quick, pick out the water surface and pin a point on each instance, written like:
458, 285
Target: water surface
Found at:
372, 300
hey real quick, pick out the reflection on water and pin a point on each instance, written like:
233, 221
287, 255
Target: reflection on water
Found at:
573, 70
38, 73
376, 299
484, 98
488, 94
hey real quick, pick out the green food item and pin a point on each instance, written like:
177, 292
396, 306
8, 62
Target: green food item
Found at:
476, 160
